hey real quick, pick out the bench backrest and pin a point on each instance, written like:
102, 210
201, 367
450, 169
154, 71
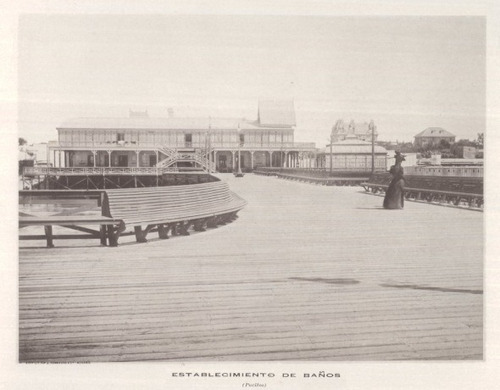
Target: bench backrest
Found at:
171, 203
472, 185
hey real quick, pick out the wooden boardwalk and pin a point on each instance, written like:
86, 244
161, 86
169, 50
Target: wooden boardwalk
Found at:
306, 273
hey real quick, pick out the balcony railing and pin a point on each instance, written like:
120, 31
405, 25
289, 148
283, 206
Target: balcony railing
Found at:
226, 144
106, 171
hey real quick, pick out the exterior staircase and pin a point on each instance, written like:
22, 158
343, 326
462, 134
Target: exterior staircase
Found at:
198, 158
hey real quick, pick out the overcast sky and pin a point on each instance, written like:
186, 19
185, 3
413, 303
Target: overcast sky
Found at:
405, 73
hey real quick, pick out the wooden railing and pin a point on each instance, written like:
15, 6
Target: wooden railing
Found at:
87, 171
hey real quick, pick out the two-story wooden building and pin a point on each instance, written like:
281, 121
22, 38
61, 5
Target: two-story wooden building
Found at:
434, 137
209, 143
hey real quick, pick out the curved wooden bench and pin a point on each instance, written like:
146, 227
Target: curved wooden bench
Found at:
171, 209
74, 222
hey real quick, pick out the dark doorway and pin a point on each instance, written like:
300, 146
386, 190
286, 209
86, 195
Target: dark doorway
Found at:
222, 163
152, 161
123, 161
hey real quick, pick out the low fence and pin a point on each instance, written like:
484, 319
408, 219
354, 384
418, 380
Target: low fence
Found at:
434, 189
320, 176
312, 172
448, 171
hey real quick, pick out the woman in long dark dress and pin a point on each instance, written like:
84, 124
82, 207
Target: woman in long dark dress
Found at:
394, 196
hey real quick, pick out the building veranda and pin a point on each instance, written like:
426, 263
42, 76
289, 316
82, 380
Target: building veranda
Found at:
141, 143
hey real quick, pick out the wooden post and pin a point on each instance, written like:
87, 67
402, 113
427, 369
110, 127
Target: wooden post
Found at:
331, 153
103, 235
373, 147
48, 235
113, 240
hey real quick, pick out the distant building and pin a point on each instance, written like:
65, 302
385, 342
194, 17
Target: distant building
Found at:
464, 151
362, 131
432, 136
353, 155
36, 152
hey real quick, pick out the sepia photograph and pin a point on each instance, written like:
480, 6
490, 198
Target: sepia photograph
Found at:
251, 199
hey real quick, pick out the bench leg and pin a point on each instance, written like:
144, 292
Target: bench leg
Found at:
183, 228
221, 220
174, 228
112, 239
48, 235
103, 235
140, 235
163, 231
199, 225
212, 222
113, 234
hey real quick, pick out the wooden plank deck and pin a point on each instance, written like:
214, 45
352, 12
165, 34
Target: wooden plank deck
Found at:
306, 273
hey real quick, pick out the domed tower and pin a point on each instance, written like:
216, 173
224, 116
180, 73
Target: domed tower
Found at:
338, 131
351, 131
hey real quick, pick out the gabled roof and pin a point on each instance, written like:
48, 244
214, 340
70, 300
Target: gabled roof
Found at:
171, 123
276, 113
145, 123
434, 132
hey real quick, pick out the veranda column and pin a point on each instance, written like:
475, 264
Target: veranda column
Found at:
215, 160
251, 160
94, 154
270, 159
109, 158
233, 165
137, 155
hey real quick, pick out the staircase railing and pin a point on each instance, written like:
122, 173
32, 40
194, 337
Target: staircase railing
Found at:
198, 158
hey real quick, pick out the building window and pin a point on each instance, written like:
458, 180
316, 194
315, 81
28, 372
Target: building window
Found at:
188, 140
120, 137
242, 139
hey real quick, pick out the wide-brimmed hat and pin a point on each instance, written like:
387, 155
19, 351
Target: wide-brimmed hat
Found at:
399, 155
